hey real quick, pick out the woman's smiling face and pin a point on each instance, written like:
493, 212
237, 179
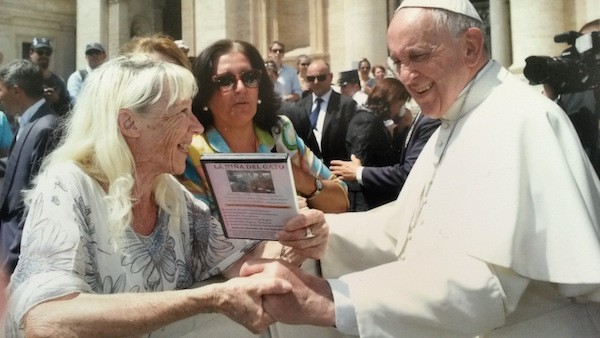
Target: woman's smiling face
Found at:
167, 135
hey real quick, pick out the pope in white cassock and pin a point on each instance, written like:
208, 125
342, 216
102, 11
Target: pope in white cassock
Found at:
496, 231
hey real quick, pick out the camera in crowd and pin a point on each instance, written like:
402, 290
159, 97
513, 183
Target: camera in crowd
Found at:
576, 69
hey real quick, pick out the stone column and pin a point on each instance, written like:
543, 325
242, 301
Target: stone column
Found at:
500, 32
118, 25
188, 25
534, 24
316, 21
209, 22
363, 33
92, 26
592, 11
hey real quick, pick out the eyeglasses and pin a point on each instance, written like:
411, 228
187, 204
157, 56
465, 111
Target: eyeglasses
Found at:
305, 64
277, 50
42, 52
228, 81
319, 78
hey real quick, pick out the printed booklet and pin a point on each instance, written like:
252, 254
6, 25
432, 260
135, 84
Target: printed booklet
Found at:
254, 192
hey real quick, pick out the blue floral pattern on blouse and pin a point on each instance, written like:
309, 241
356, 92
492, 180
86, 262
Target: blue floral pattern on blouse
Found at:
67, 248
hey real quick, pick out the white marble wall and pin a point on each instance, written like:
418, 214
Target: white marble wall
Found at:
22, 20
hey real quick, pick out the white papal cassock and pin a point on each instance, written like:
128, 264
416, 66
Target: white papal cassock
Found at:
495, 232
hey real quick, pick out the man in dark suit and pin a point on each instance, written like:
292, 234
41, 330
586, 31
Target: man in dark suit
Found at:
383, 184
328, 112
22, 93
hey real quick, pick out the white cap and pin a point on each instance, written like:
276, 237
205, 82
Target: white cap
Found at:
464, 7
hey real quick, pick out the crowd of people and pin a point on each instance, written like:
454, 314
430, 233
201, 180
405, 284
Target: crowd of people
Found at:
440, 201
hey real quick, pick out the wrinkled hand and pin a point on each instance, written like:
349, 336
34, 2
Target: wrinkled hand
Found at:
296, 234
346, 169
309, 302
241, 299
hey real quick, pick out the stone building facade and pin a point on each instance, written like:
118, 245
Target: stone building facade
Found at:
342, 31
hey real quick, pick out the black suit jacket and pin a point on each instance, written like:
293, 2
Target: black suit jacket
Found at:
302, 126
340, 111
387, 181
37, 139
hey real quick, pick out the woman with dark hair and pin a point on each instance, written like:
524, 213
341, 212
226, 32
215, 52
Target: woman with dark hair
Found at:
238, 107
369, 137
375, 131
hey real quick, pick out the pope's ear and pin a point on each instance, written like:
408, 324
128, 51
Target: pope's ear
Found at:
475, 42
127, 123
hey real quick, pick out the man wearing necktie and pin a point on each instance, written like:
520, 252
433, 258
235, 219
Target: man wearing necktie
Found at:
329, 113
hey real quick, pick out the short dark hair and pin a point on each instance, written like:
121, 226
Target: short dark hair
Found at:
364, 60
276, 43
204, 68
26, 75
384, 94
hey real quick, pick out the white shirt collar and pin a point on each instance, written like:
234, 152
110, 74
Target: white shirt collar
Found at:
325, 96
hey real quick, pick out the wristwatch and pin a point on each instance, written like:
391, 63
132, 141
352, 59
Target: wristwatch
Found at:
319, 185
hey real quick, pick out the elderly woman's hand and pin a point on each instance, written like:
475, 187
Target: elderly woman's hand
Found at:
241, 299
309, 302
306, 235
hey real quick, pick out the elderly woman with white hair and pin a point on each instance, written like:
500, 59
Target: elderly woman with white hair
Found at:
112, 242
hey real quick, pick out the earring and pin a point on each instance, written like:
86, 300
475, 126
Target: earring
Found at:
259, 101
205, 108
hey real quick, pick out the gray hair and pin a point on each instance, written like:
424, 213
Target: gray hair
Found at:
457, 23
24, 74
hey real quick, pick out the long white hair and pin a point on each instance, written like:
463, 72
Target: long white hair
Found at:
92, 138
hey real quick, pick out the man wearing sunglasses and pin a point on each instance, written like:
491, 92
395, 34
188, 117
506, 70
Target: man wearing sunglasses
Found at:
329, 113
55, 89
95, 57
290, 86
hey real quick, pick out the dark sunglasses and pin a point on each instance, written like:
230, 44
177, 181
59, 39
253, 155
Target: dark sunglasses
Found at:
228, 81
277, 50
305, 64
46, 52
320, 78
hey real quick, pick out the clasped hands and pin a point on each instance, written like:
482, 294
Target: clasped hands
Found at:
270, 290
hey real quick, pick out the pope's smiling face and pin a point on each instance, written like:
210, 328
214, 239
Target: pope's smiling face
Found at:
430, 61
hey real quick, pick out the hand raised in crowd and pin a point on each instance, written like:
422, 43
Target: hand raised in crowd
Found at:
309, 302
241, 299
51, 94
346, 169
